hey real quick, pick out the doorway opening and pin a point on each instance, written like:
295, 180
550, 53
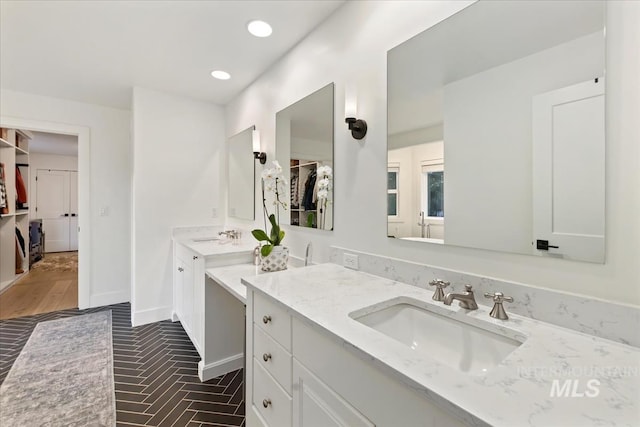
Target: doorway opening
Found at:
51, 282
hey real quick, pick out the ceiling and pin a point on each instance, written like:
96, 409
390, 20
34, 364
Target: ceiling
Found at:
53, 143
96, 51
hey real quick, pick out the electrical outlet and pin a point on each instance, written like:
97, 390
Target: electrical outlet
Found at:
214, 212
350, 261
104, 211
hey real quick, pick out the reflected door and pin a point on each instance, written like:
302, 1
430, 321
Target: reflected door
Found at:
568, 172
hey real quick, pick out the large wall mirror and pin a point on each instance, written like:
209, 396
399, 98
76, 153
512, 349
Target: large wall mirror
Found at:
304, 141
496, 130
241, 175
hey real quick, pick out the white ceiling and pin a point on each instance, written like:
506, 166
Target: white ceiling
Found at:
53, 143
96, 51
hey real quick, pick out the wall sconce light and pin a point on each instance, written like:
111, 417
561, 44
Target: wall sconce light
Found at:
358, 127
257, 153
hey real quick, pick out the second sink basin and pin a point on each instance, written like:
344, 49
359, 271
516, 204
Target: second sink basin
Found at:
451, 342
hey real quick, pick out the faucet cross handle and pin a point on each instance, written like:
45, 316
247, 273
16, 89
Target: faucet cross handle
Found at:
438, 295
497, 312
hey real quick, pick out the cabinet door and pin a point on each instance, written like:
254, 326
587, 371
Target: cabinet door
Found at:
316, 405
187, 300
178, 290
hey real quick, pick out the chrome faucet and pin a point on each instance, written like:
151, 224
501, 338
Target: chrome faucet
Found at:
307, 255
497, 312
232, 234
466, 298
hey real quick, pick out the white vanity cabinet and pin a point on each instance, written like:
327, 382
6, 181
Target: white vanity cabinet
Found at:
188, 294
213, 319
299, 376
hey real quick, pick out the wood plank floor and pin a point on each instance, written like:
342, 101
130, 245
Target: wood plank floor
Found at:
40, 292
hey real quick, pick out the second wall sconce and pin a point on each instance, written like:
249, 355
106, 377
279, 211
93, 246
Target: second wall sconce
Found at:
258, 154
358, 127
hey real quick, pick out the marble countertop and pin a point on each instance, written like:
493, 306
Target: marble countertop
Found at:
515, 393
229, 277
205, 248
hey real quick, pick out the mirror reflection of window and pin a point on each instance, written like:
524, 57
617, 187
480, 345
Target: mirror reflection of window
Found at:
433, 191
392, 192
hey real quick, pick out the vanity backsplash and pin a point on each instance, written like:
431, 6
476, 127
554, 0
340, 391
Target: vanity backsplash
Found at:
603, 319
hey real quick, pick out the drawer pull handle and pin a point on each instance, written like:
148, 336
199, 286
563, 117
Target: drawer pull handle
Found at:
266, 403
266, 357
266, 319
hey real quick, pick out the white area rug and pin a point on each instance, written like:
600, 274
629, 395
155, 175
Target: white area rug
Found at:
63, 376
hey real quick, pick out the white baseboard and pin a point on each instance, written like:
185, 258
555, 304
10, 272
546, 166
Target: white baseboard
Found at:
109, 298
174, 316
152, 315
220, 367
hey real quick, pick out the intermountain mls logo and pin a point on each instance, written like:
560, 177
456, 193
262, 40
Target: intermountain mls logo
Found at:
577, 381
574, 388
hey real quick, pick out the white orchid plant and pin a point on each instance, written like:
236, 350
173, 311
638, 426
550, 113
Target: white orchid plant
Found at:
272, 181
324, 175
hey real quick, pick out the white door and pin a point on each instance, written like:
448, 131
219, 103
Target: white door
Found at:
52, 205
568, 172
73, 211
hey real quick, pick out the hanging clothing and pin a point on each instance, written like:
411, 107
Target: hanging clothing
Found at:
295, 190
309, 186
4, 207
21, 242
21, 189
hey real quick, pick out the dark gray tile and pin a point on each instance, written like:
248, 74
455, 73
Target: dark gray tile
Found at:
156, 372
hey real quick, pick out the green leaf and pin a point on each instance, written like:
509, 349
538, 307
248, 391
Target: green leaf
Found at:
275, 231
280, 237
272, 220
266, 250
260, 235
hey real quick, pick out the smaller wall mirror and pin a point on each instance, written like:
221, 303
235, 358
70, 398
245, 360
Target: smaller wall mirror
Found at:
304, 140
241, 175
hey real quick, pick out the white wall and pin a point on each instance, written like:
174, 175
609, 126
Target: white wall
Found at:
45, 161
350, 49
109, 183
178, 179
488, 143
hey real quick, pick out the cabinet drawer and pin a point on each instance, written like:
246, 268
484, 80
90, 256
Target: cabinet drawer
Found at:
266, 392
184, 254
272, 319
278, 360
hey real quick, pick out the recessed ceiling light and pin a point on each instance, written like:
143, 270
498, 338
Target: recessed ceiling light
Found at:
259, 28
221, 75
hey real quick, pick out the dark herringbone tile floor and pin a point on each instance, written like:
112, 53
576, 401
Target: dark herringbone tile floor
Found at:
156, 372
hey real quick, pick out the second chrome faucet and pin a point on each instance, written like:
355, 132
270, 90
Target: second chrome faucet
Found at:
467, 298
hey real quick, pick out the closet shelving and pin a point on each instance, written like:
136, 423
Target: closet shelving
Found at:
299, 172
14, 151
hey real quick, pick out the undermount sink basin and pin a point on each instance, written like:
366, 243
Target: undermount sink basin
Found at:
451, 342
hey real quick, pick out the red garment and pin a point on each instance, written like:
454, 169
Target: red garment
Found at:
21, 189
